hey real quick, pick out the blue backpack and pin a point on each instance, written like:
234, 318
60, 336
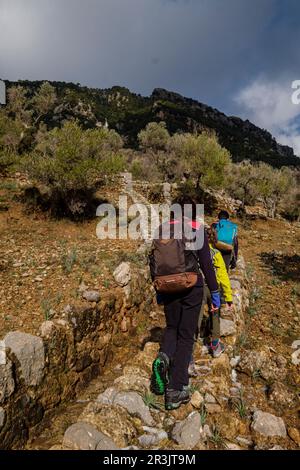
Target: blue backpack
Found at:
226, 232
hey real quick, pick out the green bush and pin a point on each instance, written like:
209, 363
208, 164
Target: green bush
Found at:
201, 157
68, 165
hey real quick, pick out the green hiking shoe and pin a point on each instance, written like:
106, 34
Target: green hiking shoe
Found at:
159, 378
175, 398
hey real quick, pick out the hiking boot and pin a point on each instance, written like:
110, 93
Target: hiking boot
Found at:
217, 350
159, 378
175, 398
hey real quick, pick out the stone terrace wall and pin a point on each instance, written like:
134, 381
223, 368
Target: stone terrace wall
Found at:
39, 372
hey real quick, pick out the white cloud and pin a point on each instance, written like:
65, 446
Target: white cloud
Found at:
269, 105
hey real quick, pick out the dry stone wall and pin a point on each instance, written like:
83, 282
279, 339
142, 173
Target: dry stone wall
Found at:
38, 372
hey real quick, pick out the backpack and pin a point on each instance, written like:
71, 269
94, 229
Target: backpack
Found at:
226, 232
173, 268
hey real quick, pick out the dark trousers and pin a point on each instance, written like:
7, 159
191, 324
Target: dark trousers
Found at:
214, 317
227, 256
182, 313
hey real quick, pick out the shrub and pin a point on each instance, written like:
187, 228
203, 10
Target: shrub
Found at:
67, 166
240, 182
202, 157
154, 137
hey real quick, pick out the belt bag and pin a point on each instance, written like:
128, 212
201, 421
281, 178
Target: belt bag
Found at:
223, 246
173, 283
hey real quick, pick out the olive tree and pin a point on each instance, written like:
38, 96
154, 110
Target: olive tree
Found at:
201, 157
70, 163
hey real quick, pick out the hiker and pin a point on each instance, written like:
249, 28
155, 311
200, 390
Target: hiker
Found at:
215, 346
227, 240
179, 283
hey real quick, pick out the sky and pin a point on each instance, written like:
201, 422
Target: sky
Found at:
239, 56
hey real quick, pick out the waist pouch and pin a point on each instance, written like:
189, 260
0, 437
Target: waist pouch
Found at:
174, 283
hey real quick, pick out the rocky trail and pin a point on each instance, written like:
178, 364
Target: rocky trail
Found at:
246, 399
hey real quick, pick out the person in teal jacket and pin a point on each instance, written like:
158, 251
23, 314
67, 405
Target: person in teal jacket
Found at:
230, 256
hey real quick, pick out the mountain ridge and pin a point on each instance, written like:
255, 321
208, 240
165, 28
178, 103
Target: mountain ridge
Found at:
129, 112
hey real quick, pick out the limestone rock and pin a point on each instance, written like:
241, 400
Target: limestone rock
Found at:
227, 327
47, 328
29, 351
268, 425
107, 397
83, 436
112, 420
281, 394
295, 344
207, 431
197, 399
122, 274
153, 437
135, 406
244, 441
252, 361
187, 432
296, 357
91, 295
234, 361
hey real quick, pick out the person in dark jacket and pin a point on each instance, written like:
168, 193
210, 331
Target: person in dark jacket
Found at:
170, 368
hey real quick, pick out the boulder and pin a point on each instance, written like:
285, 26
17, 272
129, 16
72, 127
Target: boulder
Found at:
187, 432
135, 406
83, 436
268, 425
29, 351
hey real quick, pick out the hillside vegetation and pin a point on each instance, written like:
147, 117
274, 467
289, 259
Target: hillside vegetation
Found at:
52, 136
129, 113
